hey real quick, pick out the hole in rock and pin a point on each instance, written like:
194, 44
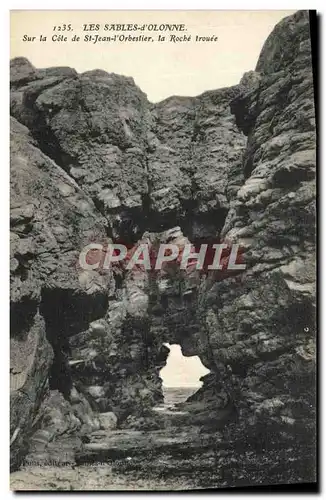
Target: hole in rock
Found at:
181, 375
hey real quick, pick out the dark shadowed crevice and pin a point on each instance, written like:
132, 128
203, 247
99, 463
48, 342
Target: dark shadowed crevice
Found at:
66, 314
22, 315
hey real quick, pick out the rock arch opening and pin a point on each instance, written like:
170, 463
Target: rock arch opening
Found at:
181, 375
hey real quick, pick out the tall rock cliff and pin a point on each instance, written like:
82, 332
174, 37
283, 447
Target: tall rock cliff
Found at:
94, 161
263, 325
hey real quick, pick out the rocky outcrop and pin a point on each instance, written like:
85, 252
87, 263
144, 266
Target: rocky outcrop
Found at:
93, 160
50, 218
264, 324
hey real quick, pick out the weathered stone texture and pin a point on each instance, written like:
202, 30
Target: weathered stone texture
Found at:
93, 160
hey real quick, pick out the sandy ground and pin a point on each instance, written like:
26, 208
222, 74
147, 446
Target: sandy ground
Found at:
92, 478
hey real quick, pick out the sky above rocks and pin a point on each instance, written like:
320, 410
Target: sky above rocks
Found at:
160, 69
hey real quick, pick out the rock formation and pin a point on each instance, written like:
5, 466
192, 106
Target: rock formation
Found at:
93, 160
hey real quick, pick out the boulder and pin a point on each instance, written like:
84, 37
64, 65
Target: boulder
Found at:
108, 420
